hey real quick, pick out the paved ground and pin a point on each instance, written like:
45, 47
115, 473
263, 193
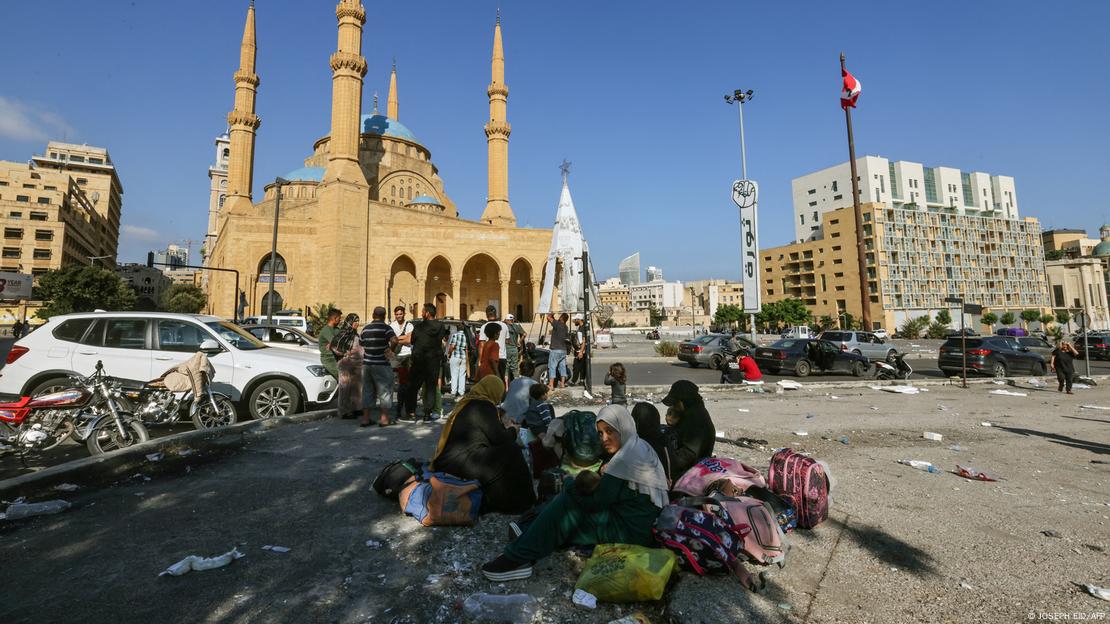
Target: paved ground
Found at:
900, 546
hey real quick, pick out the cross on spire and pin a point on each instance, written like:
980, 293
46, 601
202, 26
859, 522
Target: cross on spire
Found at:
565, 168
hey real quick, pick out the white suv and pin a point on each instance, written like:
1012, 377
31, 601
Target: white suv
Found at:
264, 381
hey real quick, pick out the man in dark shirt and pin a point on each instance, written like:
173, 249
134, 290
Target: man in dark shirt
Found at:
377, 375
557, 356
427, 361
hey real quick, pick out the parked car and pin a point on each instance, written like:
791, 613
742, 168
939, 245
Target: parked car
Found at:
798, 331
866, 344
805, 355
1097, 346
708, 350
881, 333
997, 356
284, 337
140, 346
1010, 331
1037, 345
967, 331
285, 318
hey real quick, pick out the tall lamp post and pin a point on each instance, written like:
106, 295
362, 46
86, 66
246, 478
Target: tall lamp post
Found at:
278, 182
739, 97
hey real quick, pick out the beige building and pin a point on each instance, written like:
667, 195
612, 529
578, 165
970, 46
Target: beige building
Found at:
1073, 242
148, 283
367, 220
1079, 284
615, 294
914, 259
61, 208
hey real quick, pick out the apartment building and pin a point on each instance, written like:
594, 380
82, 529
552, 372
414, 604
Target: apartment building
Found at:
915, 259
1070, 242
61, 208
900, 184
654, 274
710, 294
663, 295
1079, 284
614, 294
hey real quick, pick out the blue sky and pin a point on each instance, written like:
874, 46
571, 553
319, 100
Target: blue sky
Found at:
631, 93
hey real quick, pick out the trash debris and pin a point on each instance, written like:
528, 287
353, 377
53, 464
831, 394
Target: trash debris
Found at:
1008, 393
999, 382
155, 457
929, 435
944, 408
811, 415
195, 562
898, 389
437, 582
19, 509
277, 549
1050, 533
501, 607
801, 433
966, 585
1036, 383
833, 396
919, 464
66, 487
874, 409
843, 440
632, 618
974, 474
584, 599
745, 411
1097, 592
785, 606
957, 448
1081, 386
373, 544
789, 384
986, 424
1093, 407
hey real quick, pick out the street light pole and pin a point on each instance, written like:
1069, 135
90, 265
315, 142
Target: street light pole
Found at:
278, 182
740, 96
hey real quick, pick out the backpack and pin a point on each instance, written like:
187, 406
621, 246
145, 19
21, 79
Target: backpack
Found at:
706, 542
439, 499
392, 479
701, 475
764, 543
581, 443
803, 483
782, 509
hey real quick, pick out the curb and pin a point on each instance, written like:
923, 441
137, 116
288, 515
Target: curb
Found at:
116, 464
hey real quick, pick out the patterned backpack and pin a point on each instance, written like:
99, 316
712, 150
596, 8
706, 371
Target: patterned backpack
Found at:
706, 542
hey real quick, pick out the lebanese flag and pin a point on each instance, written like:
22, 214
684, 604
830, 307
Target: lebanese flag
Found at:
850, 93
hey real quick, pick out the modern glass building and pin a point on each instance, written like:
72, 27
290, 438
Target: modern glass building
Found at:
629, 270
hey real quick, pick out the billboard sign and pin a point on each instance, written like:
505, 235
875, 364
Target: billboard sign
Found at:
745, 194
15, 286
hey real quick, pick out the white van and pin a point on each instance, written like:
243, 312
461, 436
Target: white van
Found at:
798, 331
296, 322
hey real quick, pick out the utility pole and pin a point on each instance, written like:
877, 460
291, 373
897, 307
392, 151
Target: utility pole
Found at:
278, 182
861, 248
586, 351
739, 97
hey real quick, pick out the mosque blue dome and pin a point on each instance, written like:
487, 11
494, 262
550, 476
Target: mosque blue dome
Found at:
424, 199
380, 124
305, 174
1102, 249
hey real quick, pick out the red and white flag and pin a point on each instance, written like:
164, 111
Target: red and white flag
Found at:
850, 93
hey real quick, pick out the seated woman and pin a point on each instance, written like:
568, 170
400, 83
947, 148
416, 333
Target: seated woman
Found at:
476, 445
619, 507
649, 428
691, 428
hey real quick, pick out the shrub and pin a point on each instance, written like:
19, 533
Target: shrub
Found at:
666, 348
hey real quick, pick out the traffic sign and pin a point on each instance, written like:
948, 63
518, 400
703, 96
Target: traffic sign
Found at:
953, 299
973, 308
1083, 319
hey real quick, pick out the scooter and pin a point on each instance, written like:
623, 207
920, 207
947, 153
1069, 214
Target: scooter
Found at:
900, 369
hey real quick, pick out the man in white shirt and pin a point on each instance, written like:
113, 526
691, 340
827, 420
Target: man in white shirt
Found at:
401, 362
491, 317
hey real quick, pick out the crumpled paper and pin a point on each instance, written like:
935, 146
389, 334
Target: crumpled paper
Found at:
195, 562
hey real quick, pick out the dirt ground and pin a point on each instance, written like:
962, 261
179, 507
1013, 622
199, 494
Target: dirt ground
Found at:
901, 545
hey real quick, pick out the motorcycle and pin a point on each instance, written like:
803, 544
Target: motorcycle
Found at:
900, 369
88, 412
155, 404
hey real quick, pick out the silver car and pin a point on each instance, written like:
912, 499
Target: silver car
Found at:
1040, 346
866, 344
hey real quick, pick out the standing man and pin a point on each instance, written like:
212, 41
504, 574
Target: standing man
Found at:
323, 342
514, 346
377, 340
557, 356
427, 362
578, 344
458, 359
402, 360
17, 329
491, 317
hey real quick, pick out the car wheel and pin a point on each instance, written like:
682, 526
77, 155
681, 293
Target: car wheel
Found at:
891, 357
802, 368
858, 369
1038, 369
999, 369
274, 398
541, 375
716, 361
857, 352
52, 385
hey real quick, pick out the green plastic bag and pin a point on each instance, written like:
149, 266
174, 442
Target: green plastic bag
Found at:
627, 573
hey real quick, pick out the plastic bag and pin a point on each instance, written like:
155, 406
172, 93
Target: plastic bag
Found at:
627, 573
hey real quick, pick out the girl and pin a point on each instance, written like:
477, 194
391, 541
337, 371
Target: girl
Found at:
616, 378
489, 354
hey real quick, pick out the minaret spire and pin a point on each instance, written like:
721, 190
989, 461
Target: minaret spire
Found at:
498, 211
242, 122
391, 102
348, 68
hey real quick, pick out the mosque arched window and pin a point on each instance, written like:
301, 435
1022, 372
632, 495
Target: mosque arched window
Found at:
279, 265
393, 190
410, 192
223, 198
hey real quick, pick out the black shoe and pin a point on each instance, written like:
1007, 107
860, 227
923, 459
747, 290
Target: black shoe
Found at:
411, 418
515, 530
349, 416
504, 569
430, 419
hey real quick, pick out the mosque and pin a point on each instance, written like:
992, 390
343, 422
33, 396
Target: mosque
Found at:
367, 220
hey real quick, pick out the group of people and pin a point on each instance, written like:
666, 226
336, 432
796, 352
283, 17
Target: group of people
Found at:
565, 343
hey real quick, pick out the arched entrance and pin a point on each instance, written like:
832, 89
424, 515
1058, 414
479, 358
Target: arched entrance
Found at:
402, 285
480, 286
280, 269
278, 303
520, 290
437, 286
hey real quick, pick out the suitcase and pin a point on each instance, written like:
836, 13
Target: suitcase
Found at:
803, 482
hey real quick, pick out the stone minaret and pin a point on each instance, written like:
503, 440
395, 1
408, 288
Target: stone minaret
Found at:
348, 68
391, 103
498, 211
243, 123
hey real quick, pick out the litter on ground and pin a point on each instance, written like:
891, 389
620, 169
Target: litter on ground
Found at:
740, 409
1097, 592
1094, 407
929, 435
1036, 383
789, 384
801, 433
974, 474
19, 509
277, 549
898, 389
195, 562
1008, 393
155, 457
584, 599
373, 544
986, 424
66, 487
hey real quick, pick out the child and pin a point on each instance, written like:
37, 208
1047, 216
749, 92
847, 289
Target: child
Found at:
616, 378
539, 413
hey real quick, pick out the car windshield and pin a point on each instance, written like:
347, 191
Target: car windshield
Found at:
784, 344
237, 336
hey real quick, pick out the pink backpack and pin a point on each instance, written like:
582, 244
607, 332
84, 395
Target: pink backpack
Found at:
761, 541
698, 478
802, 481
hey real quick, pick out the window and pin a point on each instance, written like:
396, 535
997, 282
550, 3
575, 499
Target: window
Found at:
815, 215
96, 161
41, 254
125, 333
73, 158
44, 200
812, 204
82, 181
44, 235
73, 329
279, 265
16, 215
181, 336
11, 252
802, 219
834, 186
3, 183
811, 191
30, 186
13, 232
22, 198
49, 188
39, 216
223, 198
836, 197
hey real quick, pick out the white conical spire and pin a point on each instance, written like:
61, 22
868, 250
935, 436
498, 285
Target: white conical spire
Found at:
567, 243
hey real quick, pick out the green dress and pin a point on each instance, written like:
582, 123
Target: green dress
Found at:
327, 358
614, 514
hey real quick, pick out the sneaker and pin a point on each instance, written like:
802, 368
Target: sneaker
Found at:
515, 530
504, 569
431, 418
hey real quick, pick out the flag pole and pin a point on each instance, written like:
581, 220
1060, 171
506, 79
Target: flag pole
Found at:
861, 250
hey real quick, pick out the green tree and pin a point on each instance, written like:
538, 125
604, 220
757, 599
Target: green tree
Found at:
1046, 320
1028, 316
1057, 334
184, 299
826, 322
1055, 254
912, 327
848, 321
794, 312
1008, 319
989, 319
728, 314
78, 288
944, 317
1063, 316
655, 316
937, 330
318, 315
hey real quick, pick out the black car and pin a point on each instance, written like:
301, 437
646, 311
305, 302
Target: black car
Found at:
998, 356
807, 355
1098, 346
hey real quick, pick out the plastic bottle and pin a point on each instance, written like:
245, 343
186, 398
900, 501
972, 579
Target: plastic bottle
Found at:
920, 465
17, 511
511, 608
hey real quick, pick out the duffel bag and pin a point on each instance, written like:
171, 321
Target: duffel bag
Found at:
393, 477
696, 480
438, 499
803, 482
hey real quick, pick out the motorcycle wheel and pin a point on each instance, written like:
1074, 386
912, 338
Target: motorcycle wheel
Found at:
106, 437
223, 415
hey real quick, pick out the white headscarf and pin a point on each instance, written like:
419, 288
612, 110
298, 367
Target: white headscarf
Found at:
635, 461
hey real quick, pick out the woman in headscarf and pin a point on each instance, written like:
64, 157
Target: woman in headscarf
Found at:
348, 350
691, 429
619, 508
475, 444
649, 428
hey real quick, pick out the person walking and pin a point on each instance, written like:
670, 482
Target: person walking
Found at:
1063, 362
514, 346
458, 358
348, 350
402, 361
323, 342
378, 342
427, 362
503, 333
557, 354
